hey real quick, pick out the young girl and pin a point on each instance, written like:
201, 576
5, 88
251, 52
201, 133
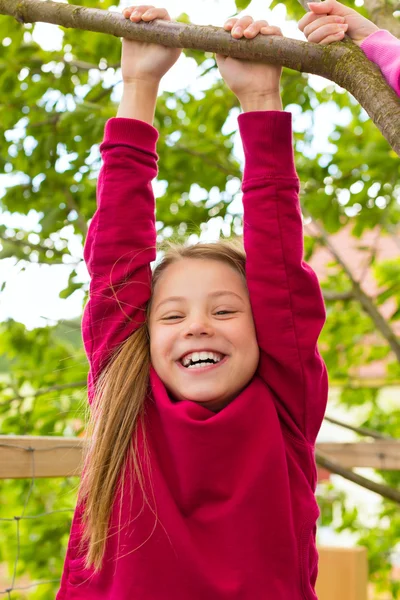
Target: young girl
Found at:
328, 22
206, 384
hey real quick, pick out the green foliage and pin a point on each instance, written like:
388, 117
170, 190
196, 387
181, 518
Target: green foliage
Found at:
242, 4
54, 106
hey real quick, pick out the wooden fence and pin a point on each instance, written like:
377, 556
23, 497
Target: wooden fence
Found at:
62, 456
343, 572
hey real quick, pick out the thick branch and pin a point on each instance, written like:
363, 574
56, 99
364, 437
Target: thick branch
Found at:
344, 63
383, 490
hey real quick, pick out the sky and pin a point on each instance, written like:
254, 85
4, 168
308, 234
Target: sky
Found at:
31, 296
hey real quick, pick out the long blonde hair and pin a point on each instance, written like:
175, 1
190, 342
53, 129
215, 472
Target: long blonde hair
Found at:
118, 408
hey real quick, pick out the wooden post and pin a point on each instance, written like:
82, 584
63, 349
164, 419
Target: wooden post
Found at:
343, 573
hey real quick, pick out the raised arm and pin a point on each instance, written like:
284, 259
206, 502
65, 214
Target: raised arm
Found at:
121, 241
285, 296
384, 50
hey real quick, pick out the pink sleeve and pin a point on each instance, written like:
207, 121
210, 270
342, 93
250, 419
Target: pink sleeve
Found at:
384, 50
121, 241
285, 295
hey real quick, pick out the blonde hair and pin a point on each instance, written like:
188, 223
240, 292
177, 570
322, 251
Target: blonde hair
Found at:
118, 409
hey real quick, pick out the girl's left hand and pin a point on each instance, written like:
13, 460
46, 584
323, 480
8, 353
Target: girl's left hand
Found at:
245, 78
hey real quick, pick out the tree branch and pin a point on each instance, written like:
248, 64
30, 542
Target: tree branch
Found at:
367, 304
360, 430
343, 62
209, 160
334, 296
381, 14
383, 490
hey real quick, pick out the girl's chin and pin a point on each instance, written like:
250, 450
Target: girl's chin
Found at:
212, 404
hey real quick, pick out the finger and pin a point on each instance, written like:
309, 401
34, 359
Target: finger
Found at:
128, 11
333, 38
326, 31
230, 23
241, 25
138, 11
328, 7
254, 29
271, 30
156, 13
322, 21
306, 20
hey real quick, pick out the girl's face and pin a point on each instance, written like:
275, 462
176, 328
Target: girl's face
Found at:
202, 306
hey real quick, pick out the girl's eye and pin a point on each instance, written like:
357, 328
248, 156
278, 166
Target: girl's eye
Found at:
225, 312
172, 317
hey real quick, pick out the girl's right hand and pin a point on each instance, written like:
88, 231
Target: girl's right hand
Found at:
328, 21
141, 61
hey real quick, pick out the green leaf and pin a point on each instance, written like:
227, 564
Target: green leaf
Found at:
242, 4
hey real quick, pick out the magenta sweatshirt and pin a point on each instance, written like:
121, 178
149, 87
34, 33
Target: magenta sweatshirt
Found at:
233, 512
384, 49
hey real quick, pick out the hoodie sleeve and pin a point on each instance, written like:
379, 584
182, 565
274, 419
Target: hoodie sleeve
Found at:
285, 295
384, 50
121, 241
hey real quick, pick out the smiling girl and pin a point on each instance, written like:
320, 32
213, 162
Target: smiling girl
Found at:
206, 386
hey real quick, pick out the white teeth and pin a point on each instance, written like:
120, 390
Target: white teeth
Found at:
195, 357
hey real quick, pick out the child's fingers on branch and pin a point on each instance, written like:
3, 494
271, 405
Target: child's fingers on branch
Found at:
247, 27
142, 61
319, 25
238, 26
325, 29
145, 12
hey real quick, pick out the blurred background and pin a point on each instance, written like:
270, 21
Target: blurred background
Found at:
58, 88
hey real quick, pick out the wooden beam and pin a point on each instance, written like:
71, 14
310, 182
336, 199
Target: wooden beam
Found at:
34, 456
378, 454
40, 456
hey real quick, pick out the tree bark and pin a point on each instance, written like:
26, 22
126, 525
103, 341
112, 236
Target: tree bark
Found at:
342, 62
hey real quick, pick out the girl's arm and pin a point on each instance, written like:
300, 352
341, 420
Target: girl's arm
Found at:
384, 49
329, 21
121, 241
285, 296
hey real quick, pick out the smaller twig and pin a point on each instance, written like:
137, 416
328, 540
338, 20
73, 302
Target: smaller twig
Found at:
360, 430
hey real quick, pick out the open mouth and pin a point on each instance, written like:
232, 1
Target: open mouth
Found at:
201, 360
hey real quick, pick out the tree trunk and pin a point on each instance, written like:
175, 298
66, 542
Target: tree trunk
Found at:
342, 62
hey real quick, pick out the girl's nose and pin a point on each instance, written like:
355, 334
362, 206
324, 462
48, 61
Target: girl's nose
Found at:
199, 328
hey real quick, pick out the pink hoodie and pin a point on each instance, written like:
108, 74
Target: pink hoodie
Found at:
233, 512
384, 49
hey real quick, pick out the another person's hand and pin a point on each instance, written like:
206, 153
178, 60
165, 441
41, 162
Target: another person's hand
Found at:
256, 85
329, 21
142, 61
